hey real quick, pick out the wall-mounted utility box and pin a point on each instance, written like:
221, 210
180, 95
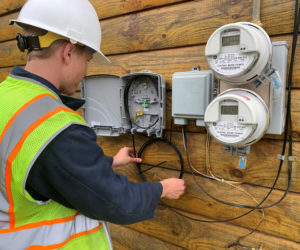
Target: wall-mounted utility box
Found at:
192, 91
131, 103
273, 94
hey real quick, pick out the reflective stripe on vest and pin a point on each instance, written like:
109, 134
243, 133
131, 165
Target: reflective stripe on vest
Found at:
48, 235
49, 223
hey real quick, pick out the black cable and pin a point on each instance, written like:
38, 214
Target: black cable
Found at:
133, 145
142, 149
236, 204
152, 166
238, 244
288, 121
154, 140
288, 129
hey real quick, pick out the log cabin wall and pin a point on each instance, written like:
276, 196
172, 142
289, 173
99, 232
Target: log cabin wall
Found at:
169, 36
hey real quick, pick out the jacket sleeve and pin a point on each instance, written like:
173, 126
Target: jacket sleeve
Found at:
74, 171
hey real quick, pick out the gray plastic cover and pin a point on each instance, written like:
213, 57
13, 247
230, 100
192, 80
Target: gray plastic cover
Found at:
192, 91
110, 114
103, 104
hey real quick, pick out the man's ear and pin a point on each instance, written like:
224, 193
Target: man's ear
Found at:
68, 51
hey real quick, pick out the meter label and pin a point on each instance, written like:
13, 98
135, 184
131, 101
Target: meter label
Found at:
231, 63
228, 131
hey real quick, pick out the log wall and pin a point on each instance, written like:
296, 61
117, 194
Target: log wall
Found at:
169, 36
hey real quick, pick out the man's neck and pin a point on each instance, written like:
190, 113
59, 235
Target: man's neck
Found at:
45, 68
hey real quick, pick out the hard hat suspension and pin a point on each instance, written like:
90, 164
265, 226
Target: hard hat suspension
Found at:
28, 42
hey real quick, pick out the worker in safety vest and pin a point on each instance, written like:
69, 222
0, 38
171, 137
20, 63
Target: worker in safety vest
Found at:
56, 185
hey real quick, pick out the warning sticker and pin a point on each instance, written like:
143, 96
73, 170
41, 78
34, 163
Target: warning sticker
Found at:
229, 131
231, 63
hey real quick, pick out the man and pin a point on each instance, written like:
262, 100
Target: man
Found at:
56, 183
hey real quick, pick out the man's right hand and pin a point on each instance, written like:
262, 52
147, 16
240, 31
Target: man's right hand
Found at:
173, 188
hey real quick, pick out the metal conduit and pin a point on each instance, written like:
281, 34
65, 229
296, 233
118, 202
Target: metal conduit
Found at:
256, 12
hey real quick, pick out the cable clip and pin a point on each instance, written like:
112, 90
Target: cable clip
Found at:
280, 157
292, 158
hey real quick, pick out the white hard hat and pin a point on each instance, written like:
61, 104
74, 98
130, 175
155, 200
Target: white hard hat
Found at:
76, 20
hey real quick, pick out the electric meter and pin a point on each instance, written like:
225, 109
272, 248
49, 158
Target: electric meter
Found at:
239, 53
237, 117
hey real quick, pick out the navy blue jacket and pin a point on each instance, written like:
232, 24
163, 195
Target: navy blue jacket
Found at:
74, 171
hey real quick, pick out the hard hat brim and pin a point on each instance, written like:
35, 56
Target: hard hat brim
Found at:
100, 58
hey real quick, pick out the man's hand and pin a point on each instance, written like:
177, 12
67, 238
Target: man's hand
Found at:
173, 188
125, 156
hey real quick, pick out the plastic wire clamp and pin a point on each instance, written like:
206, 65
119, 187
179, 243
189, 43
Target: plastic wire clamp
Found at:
292, 158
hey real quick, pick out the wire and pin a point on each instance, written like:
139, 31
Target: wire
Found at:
236, 204
140, 154
211, 176
231, 183
154, 140
152, 166
288, 131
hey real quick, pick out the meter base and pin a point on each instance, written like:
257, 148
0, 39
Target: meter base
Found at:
237, 150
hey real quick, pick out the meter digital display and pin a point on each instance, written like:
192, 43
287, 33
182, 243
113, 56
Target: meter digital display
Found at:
229, 110
230, 40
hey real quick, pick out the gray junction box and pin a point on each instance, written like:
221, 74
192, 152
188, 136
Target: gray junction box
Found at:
192, 91
128, 104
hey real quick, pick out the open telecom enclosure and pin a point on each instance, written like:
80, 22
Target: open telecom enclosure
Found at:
130, 103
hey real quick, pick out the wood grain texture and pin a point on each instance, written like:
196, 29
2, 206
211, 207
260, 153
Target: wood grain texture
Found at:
4, 72
257, 171
8, 32
10, 54
169, 36
127, 239
7, 6
191, 126
170, 26
111, 8
104, 8
165, 27
173, 60
194, 235
281, 220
